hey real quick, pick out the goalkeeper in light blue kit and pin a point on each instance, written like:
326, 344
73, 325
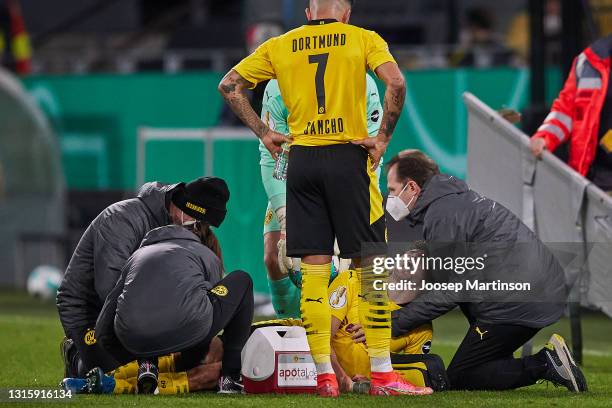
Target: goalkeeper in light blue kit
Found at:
285, 295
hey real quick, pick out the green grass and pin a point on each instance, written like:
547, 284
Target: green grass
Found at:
30, 334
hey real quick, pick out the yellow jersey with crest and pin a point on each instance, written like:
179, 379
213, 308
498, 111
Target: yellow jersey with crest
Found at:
320, 68
344, 306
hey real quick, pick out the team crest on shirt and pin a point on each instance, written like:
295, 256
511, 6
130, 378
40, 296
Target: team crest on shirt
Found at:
268, 218
219, 290
337, 299
375, 116
90, 337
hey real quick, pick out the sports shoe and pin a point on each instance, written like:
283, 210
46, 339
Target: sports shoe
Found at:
68, 352
147, 378
560, 366
394, 384
229, 385
74, 385
99, 383
327, 385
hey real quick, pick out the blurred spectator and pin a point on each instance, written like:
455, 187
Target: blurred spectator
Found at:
259, 33
582, 116
15, 49
518, 36
603, 15
480, 46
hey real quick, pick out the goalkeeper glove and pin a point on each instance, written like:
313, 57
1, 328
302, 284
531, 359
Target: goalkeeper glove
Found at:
285, 264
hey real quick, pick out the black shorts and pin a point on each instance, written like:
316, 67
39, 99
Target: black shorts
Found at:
333, 193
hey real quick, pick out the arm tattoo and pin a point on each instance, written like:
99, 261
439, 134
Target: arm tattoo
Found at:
228, 88
231, 89
393, 105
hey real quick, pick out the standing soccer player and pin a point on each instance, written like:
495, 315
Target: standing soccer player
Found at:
274, 113
331, 184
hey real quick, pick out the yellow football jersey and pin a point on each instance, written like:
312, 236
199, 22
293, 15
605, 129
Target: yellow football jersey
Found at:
344, 304
320, 68
344, 299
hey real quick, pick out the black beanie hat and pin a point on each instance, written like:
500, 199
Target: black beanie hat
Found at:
204, 199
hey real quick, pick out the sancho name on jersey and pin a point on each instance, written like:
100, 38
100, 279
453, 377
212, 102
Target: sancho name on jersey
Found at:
313, 65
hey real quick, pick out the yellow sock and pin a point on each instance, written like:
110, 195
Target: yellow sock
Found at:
173, 383
375, 317
165, 364
316, 315
125, 386
126, 371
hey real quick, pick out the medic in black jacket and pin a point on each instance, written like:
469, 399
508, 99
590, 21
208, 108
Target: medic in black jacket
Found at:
105, 247
457, 222
172, 297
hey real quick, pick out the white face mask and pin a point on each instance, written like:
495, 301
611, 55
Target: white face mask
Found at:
187, 224
396, 207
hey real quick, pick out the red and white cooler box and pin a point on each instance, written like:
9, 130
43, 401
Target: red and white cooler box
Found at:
277, 360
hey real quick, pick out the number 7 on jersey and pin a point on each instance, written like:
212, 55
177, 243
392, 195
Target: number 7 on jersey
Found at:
321, 61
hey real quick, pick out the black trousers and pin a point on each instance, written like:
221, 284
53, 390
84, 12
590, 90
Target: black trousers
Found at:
89, 354
233, 306
484, 359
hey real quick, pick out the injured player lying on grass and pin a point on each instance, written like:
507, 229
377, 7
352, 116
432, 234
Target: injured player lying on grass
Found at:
409, 353
410, 356
124, 379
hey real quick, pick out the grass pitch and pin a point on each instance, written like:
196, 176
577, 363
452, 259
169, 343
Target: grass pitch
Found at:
30, 333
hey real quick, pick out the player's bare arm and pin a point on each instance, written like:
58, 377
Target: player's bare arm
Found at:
232, 87
345, 382
395, 96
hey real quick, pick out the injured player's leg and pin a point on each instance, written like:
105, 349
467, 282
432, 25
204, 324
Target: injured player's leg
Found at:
123, 380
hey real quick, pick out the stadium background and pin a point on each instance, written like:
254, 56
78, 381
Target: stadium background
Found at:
101, 70
98, 117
